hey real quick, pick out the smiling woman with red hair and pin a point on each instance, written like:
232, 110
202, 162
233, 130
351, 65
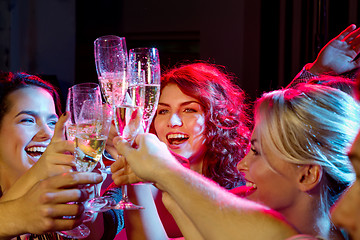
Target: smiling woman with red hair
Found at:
201, 116
225, 133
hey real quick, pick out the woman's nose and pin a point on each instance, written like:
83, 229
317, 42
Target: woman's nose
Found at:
45, 132
242, 164
175, 120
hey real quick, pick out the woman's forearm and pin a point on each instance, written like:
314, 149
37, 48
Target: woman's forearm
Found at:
218, 214
144, 223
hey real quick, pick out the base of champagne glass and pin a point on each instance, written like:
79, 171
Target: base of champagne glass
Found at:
106, 170
108, 157
127, 206
89, 215
100, 204
79, 232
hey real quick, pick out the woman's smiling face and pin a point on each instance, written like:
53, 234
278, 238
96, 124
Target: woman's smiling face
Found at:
26, 130
272, 179
180, 122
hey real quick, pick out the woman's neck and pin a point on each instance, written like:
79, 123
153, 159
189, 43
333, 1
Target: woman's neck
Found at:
197, 163
324, 228
197, 166
310, 217
197, 160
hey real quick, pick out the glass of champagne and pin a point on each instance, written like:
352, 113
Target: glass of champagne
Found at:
134, 112
144, 74
73, 106
70, 127
94, 125
92, 129
128, 122
111, 59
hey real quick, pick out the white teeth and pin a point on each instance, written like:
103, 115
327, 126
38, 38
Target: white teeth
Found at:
249, 184
171, 136
36, 149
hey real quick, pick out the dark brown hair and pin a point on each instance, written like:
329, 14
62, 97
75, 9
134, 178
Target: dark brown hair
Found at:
10, 82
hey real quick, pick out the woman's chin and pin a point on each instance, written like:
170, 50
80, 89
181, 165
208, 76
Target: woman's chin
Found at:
178, 149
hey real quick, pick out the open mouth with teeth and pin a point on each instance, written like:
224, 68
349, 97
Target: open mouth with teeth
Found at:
250, 185
176, 139
249, 188
35, 152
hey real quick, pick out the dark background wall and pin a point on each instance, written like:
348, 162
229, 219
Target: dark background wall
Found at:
264, 43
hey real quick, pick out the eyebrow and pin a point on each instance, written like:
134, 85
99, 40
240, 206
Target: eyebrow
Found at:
35, 114
253, 141
182, 104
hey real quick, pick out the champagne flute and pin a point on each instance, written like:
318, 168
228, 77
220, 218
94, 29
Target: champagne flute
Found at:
111, 65
73, 106
92, 129
111, 59
128, 122
144, 73
91, 142
136, 110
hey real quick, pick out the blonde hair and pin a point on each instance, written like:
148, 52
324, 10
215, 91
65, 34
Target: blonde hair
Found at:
312, 124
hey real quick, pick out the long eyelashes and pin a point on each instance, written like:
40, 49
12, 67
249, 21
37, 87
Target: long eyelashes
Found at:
254, 151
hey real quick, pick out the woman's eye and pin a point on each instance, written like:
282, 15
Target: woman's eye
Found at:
254, 151
27, 120
52, 124
189, 110
162, 111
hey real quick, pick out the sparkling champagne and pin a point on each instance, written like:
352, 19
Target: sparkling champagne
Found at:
151, 93
70, 132
71, 129
147, 97
128, 121
88, 151
113, 86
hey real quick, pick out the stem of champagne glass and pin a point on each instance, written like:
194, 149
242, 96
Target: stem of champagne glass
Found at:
124, 193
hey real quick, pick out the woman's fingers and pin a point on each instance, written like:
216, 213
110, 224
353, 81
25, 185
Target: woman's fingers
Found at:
343, 36
61, 147
59, 128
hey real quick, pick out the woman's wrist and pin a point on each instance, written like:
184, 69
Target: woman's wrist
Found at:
316, 69
11, 219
